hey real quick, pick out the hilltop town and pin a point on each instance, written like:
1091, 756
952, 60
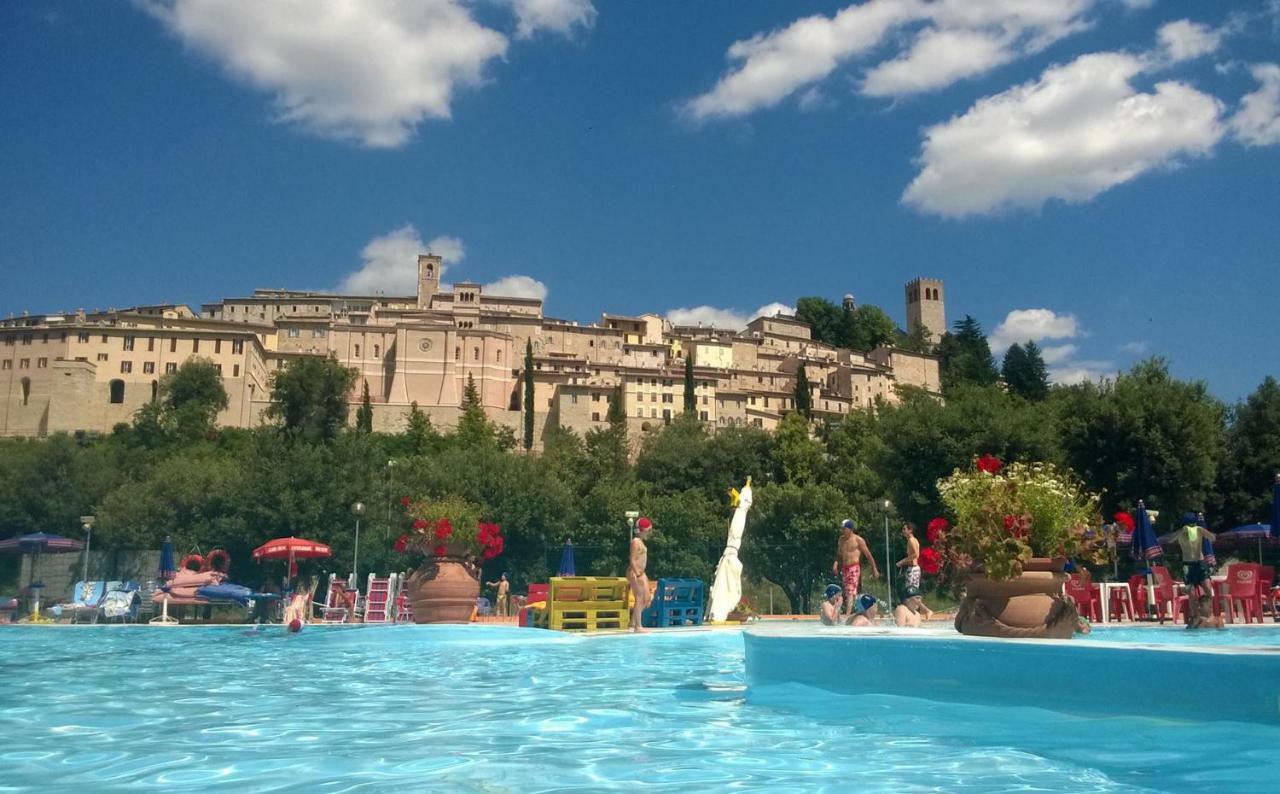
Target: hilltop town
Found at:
86, 372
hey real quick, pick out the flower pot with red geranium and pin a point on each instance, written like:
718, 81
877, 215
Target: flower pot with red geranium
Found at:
1014, 529
447, 543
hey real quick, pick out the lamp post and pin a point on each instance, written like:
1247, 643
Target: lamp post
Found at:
87, 523
886, 505
358, 509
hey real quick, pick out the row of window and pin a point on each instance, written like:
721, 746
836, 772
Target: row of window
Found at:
129, 342
24, 363
316, 333
26, 339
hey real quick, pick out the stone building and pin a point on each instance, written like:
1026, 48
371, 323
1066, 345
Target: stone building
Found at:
88, 372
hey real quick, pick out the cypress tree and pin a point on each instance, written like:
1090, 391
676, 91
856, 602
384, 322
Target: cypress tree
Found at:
967, 356
528, 394
364, 416
804, 398
617, 416
690, 399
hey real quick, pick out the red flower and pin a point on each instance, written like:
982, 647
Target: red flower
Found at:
1009, 521
487, 532
404, 500
990, 464
440, 550
937, 527
930, 561
493, 548
420, 524
443, 529
402, 544
1125, 520
1018, 526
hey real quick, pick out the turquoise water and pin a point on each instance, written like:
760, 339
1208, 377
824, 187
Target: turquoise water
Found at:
492, 709
1259, 636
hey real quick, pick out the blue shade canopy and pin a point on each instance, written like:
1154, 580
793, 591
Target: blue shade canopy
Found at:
566, 560
1246, 532
167, 568
1145, 545
40, 543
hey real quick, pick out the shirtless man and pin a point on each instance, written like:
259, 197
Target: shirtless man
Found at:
910, 564
908, 613
848, 563
866, 611
503, 605
635, 572
1199, 586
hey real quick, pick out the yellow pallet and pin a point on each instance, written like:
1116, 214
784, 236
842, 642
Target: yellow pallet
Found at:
584, 603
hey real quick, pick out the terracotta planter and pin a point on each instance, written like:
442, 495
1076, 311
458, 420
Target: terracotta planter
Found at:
1028, 606
443, 590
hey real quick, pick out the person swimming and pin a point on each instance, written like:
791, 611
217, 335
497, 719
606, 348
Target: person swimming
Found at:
908, 613
829, 612
866, 610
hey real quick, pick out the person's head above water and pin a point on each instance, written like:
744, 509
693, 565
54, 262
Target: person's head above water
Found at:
911, 597
866, 603
833, 591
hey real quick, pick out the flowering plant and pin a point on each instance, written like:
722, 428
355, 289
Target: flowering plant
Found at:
1007, 514
449, 527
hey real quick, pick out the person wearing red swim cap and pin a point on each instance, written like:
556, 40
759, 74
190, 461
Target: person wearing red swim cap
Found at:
638, 561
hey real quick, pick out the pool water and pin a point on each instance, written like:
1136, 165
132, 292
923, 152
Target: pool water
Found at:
495, 709
1232, 636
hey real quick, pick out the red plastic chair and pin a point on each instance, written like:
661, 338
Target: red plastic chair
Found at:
1266, 590
1138, 593
1120, 604
1245, 589
1166, 593
1082, 593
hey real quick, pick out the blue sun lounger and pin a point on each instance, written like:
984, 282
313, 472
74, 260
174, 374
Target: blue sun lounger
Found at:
676, 602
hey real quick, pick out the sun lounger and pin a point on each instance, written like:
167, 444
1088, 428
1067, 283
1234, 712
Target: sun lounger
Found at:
86, 597
377, 603
121, 604
676, 602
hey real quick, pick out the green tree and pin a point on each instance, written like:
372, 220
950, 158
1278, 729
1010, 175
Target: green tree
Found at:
1252, 457
474, 428
966, 356
690, 398
825, 319
309, 397
803, 396
528, 394
1145, 436
422, 438
867, 327
608, 450
186, 406
673, 459
1024, 371
791, 537
800, 458
915, 340
364, 414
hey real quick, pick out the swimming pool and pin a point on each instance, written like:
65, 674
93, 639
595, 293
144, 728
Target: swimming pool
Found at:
479, 708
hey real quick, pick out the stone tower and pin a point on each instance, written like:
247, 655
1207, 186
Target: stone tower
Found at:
849, 303
429, 267
926, 305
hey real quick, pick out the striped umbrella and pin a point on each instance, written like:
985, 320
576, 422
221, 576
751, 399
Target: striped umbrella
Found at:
1146, 547
36, 544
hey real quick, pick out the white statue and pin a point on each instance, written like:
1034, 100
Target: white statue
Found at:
726, 592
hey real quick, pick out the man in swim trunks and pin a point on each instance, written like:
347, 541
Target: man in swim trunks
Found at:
908, 613
503, 602
1190, 539
639, 560
848, 563
829, 612
866, 611
910, 564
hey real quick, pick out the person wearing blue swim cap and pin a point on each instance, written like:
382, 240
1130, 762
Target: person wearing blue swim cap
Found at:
866, 611
829, 612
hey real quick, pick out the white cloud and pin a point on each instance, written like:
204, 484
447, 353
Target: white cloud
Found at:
367, 71
1057, 354
1077, 131
1183, 40
1032, 325
954, 39
557, 16
517, 287
1257, 122
1081, 372
1136, 348
391, 262
730, 319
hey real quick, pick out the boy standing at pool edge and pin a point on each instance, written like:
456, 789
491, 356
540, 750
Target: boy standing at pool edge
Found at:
848, 563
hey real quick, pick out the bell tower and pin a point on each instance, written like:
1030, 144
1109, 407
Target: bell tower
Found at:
429, 267
926, 305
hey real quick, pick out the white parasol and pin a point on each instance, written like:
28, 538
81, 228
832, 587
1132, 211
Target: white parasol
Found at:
726, 592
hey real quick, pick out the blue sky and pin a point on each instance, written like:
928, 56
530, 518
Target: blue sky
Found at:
1100, 175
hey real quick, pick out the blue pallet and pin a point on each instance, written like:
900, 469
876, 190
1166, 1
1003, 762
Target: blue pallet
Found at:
676, 602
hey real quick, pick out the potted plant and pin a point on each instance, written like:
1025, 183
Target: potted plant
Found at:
1013, 530
446, 545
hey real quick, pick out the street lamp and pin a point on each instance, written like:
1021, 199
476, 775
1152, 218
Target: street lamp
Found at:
358, 509
886, 506
87, 523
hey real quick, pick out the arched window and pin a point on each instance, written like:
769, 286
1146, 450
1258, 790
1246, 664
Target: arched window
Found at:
117, 391
26, 390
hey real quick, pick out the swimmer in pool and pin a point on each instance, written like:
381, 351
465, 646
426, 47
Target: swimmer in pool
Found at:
866, 611
829, 612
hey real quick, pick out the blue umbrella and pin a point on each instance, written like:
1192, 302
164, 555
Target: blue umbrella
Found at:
566, 560
1275, 509
1146, 547
167, 567
1210, 559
